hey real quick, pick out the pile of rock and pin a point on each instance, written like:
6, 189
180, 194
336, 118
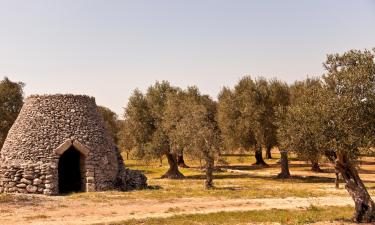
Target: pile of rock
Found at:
28, 178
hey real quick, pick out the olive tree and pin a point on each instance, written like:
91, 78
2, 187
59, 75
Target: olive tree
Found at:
337, 118
280, 100
190, 121
303, 127
236, 110
144, 116
11, 101
275, 95
126, 140
228, 118
247, 114
350, 102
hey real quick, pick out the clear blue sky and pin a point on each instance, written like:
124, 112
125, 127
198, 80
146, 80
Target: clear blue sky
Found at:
108, 48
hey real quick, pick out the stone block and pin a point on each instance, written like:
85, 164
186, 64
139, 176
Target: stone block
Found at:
47, 192
21, 190
13, 189
90, 174
11, 184
28, 176
31, 188
37, 181
90, 179
26, 181
90, 187
21, 185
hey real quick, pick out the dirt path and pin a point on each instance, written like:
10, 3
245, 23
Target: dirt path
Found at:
62, 210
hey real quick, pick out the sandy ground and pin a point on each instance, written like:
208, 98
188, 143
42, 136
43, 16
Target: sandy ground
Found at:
61, 210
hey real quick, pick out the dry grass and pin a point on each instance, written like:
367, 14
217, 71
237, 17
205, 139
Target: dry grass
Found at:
236, 183
302, 216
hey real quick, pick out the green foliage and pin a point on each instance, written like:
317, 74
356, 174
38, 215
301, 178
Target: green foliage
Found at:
125, 138
235, 114
227, 115
190, 121
247, 114
111, 121
170, 121
302, 126
336, 114
139, 122
11, 101
350, 83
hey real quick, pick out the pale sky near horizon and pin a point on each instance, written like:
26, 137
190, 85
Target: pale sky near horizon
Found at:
108, 48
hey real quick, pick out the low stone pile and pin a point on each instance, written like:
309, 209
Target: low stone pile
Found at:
27, 178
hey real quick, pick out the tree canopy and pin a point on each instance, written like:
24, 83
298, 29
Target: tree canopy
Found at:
247, 114
302, 129
11, 101
111, 122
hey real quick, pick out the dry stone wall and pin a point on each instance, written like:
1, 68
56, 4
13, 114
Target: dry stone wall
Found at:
47, 126
28, 178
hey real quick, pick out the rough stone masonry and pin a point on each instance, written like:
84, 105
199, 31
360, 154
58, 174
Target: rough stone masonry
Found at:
49, 127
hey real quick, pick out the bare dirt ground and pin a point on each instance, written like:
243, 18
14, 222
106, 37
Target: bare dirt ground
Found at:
62, 210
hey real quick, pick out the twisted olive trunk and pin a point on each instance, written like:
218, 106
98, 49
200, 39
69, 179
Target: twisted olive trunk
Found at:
331, 156
209, 171
364, 205
315, 167
259, 157
337, 179
268, 152
284, 164
181, 161
173, 172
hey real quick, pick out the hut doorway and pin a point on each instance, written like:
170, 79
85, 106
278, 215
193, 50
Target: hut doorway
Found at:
70, 170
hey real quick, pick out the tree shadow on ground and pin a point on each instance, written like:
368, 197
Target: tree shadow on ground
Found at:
366, 163
293, 178
154, 187
364, 171
257, 167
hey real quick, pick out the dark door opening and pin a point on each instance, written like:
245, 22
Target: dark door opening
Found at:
70, 179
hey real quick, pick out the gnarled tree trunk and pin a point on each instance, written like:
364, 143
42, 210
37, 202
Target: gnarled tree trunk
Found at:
268, 152
208, 184
331, 156
284, 164
315, 167
160, 161
337, 180
259, 157
181, 161
364, 205
173, 172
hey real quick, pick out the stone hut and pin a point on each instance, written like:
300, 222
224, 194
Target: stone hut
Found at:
59, 144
